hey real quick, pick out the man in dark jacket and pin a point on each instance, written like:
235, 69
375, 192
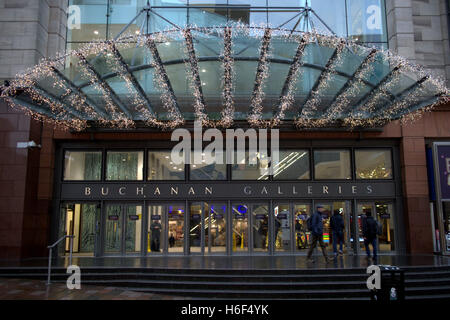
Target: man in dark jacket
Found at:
317, 233
369, 231
337, 228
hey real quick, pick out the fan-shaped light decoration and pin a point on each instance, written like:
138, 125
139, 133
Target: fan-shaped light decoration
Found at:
225, 75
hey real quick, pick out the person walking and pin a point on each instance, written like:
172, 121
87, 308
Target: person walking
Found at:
316, 228
369, 231
337, 229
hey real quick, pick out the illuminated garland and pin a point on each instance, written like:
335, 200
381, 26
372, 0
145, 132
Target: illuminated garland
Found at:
227, 66
64, 107
262, 73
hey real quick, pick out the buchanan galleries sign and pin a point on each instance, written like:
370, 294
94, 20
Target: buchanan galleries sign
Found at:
226, 190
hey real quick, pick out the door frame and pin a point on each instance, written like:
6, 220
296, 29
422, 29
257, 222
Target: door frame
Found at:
348, 212
165, 224
98, 223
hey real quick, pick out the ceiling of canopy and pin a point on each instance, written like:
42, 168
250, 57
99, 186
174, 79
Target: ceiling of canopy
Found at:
223, 76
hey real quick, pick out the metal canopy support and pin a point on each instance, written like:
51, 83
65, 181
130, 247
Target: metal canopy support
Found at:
333, 107
133, 80
74, 88
235, 58
200, 105
322, 78
150, 43
295, 66
363, 101
262, 67
104, 85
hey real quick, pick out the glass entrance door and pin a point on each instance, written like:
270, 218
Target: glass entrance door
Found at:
282, 222
302, 236
250, 227
81, 220
383, 213
165, 228
207, 227
123, 229
342, 209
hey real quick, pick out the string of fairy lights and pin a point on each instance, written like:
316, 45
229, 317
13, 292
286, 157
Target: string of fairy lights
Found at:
124, 97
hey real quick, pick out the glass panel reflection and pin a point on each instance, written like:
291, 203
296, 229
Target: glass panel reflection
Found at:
161, 167
82, 165
203, 171
373, 164
247, 171
124, 165
332, 164
293, 165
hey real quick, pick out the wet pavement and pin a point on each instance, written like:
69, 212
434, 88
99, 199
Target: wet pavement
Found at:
235, 262
19, 289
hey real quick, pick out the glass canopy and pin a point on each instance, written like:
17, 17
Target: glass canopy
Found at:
222, 76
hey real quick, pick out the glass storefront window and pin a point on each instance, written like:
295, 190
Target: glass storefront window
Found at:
82, 165
293, 165
123, 165
373, 164
246, 171
205, 171
332, 164
161, 167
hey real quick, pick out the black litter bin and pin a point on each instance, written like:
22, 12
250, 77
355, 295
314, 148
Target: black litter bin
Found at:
392, 285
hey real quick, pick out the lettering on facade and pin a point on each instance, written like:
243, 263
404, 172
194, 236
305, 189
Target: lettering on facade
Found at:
275, 190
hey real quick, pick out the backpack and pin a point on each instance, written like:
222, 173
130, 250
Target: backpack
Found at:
379, 228
372, 228
309, 223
